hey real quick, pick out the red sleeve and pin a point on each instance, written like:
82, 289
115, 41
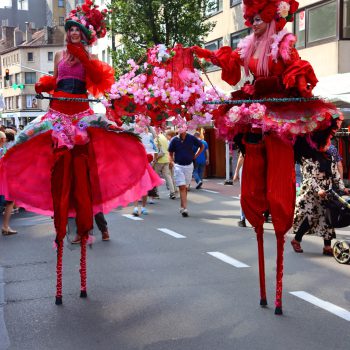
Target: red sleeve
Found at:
299, 68
295, 66
46, 83
229, 61
99, 77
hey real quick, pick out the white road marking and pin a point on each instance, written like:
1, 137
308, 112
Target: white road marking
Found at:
236, 197
5, 340
210, 191
171, 233
227, 259
325, 305
132, 217
220, 183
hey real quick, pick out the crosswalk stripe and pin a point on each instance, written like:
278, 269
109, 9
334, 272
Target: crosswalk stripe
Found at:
171, 233
132, 217
210, 191
227, 259
325, 305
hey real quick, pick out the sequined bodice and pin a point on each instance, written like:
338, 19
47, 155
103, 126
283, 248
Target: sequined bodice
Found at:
70, 71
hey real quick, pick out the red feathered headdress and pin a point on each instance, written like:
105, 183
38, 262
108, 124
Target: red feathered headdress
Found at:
280, 11
89, 19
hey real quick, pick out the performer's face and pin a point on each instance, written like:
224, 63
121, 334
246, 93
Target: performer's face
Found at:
75, 35
259, 26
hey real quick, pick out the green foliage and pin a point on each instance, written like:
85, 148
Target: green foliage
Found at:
143, 23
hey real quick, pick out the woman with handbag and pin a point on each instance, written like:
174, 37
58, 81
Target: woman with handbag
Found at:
320, 173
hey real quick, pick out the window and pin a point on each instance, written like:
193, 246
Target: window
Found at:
300, 28
30, 77
30, 56
213, 7
235, 2
6, 4
213, 46
104, 55
17, 102
30, 99
322, 22
22, 5
50, 56
346, 20
60, 3
17, 78
61, 21
316, 24
236, 37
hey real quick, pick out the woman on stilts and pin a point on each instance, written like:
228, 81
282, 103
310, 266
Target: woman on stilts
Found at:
281, 111
73, 162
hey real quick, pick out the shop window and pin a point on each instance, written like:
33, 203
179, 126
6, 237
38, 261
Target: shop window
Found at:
316, 24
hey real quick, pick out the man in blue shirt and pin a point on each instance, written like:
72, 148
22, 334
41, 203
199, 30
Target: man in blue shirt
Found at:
201, 161
181, 155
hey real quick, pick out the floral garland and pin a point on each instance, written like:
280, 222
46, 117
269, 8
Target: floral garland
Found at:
147, 93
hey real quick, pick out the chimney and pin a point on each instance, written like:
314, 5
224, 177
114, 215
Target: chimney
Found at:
28, 31
7, 36
18, 37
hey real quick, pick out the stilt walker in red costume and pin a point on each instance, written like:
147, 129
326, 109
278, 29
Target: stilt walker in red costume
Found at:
276, 108
72, 162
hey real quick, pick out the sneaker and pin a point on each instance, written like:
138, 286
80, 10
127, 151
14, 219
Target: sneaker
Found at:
296, 246
135, 212
184, 212
76, 240
242, 223
199, 185
144, 211
328, 251
105, 236
172, 195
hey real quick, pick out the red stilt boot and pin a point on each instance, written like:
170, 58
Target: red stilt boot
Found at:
281, 198
254, 203
59, 273
83, 293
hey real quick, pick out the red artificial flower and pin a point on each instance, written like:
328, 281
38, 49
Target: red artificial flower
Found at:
294, 5
85, 8
268, 13
280, 23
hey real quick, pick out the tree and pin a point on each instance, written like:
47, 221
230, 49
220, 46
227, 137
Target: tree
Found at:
143, 23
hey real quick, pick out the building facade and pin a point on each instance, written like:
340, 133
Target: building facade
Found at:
322, 29
26, 63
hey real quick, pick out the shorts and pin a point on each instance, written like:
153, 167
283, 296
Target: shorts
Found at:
183, 174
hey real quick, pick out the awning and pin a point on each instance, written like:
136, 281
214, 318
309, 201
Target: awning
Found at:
335, 88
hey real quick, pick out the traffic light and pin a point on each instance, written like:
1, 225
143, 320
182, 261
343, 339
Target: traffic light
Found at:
7, 74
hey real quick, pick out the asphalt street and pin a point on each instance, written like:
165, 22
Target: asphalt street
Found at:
159, 284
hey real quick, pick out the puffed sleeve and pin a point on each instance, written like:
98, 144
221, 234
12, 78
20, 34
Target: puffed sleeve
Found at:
229, 61
295, 65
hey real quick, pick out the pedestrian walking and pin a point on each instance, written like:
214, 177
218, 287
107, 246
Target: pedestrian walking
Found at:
182, 156
200, 162
320, 173
238, 176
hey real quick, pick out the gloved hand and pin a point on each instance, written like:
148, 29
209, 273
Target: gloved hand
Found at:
78, 50
200, 52
303, 87
46, 83
38, 88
